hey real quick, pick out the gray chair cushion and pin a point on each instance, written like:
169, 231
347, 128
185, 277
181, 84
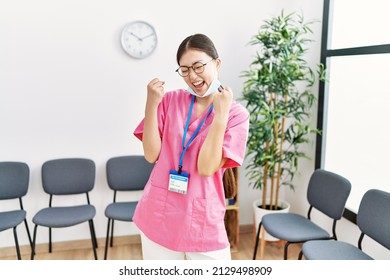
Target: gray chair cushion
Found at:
292, 227
11, 219
332, 250
58, 217
122, 211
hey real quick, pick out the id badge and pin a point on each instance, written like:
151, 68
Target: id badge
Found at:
178, 182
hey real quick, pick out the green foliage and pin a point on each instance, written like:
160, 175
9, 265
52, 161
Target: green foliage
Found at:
278, 95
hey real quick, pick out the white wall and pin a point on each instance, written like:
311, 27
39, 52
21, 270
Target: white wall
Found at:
67, 89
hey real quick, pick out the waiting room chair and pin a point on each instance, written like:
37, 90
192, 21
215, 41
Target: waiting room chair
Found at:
124, 174
14, 182
65, 177
328, 193
373, 219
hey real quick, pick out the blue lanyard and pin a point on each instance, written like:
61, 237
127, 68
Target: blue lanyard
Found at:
185, 146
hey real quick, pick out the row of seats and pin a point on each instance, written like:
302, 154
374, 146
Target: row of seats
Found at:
71, 176
328, 193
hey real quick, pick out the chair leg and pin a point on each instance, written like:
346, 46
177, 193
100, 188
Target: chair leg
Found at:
112, 233
300, 255
262, 243
257, 241
50, 240
94, 234
33, 243
286, 249
17, 244
28, 232
94, 243
107, 237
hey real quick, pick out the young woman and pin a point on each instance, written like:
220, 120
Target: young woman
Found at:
192, 135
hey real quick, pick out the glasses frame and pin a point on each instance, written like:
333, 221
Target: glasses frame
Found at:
193, 69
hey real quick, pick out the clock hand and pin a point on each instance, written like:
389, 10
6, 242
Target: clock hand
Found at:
151, 34
140, 39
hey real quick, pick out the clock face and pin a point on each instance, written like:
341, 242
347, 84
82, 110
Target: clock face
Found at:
139, 39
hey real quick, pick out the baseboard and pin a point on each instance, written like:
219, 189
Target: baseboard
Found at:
86, 244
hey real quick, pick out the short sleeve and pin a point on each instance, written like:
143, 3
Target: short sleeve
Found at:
139, 130
236, 136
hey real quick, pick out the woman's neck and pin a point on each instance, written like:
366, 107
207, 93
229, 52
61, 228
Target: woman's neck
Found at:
202, 103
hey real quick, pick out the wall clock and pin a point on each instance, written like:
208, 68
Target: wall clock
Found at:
139, 39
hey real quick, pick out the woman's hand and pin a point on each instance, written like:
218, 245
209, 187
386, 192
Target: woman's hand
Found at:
155, 90
222, 102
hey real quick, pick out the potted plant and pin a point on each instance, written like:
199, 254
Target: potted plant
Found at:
278, 95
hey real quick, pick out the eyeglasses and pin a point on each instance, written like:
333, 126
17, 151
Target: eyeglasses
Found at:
198, 68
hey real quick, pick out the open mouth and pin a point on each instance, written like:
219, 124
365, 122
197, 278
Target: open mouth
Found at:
198, 85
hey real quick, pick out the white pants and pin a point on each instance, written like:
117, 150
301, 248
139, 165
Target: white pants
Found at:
154, 251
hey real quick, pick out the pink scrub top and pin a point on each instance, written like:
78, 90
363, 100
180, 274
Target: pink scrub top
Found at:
191, 222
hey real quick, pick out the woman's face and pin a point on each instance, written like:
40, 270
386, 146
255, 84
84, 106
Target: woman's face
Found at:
199, 82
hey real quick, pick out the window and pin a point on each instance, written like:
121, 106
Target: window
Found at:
354, 105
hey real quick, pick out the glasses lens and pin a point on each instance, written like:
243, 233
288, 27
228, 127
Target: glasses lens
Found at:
183, 71
198, 67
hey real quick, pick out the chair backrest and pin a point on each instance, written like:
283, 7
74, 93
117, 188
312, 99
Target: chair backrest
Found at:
328, 192
68, 176
373, 216
14, 179
128, 173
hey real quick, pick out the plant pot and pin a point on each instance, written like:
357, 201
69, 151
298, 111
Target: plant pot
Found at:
284, 207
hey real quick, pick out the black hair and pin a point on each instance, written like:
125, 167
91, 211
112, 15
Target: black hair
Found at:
199, 42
